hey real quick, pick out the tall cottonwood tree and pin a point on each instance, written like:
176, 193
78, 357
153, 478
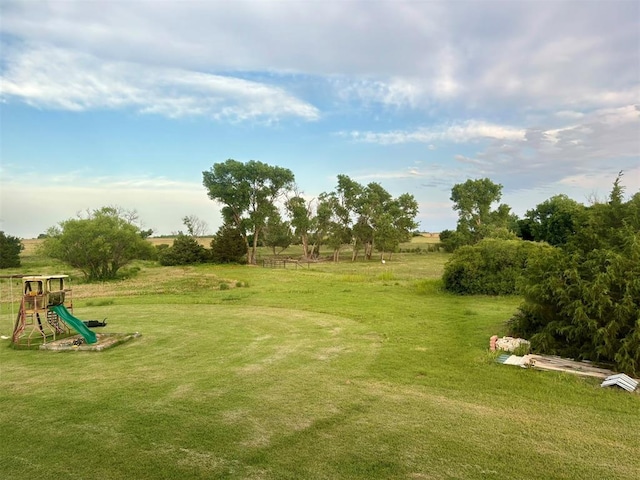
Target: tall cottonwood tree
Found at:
396, 223
248, 192
302, 220
473, 201
277, 233
333, 224
370, 207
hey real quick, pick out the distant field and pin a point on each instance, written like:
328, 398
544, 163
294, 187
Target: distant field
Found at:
349, 370
30, 245
204, 241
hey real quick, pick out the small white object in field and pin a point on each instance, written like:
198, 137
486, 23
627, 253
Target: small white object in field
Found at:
4, 337
383, 261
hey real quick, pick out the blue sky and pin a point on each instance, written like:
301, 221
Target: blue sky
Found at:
126, 103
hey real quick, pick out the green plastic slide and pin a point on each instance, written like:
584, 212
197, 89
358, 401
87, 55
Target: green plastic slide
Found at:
77, 325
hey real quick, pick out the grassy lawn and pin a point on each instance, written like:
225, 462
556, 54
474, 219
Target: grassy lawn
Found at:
332, 371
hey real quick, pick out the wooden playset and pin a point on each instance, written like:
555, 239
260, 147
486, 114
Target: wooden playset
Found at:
46, 311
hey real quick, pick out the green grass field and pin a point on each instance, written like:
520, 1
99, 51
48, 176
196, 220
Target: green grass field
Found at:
332, 371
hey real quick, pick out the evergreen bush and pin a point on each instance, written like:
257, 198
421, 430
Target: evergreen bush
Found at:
185, 251
228, 246
583, 300
10, 248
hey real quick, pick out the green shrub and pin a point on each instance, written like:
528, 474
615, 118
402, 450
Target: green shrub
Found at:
451, 240
98, 245
491, 267
128, 272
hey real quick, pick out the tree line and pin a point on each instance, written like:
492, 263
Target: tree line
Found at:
254, 196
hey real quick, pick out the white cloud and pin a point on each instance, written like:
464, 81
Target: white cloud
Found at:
50, 77
459, 133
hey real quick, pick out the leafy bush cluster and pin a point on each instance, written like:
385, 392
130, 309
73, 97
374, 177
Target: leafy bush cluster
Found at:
428, 248
99, 245
554, 221
491, 267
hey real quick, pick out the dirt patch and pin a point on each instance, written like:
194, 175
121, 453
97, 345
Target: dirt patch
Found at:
76, 342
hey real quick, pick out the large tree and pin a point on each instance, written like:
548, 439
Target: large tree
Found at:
10, 248
554, 221
332, 224
99, 245
302, 220
277, 234
395, 224
248, 192
473, 200
371, 206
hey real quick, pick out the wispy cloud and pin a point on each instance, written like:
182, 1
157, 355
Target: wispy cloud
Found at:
408, 173
459, 133
57, 78
418, 177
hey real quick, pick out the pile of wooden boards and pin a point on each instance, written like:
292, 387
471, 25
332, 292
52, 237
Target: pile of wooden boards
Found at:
559, 364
